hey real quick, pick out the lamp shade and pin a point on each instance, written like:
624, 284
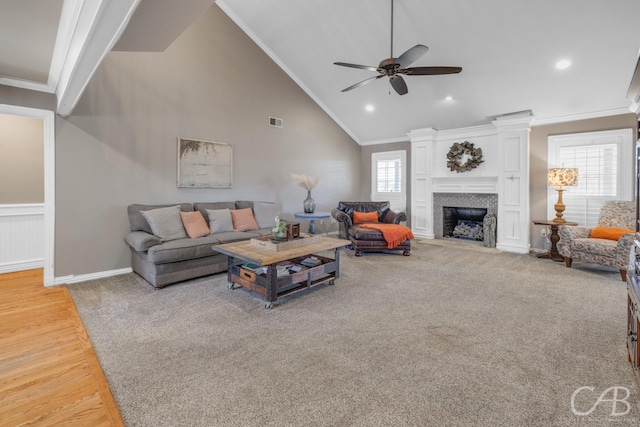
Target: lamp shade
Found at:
562, 177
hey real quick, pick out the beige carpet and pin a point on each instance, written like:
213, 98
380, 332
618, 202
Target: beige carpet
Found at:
450, 336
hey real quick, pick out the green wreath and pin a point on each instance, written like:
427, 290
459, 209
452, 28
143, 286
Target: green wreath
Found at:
457, 150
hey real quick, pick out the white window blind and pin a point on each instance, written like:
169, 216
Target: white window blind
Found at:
597, 168
603, 172
597, 180
389, 176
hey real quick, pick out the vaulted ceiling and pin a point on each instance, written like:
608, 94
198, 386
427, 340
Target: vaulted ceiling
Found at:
507, 49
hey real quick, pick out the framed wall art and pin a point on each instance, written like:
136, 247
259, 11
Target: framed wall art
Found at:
204, 164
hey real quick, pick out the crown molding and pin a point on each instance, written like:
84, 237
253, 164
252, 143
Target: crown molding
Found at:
385, 141
583, 116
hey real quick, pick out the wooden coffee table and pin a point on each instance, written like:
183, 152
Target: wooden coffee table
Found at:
269, 285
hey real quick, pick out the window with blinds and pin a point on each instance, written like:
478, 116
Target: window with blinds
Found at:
389, 176
603, 172
597, 169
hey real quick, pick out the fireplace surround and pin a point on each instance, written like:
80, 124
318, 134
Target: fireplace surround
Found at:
503, 176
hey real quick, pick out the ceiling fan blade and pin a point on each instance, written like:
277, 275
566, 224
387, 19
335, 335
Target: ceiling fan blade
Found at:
362, 83
361, 67
397, 82
411, 56
430, 71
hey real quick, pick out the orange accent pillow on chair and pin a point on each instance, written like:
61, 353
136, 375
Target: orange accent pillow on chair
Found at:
359, 217
610, 233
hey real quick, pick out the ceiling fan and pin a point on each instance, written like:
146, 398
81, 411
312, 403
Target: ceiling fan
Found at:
395, 67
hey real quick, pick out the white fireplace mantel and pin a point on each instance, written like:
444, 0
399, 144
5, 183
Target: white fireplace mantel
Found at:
505, 172
481, 184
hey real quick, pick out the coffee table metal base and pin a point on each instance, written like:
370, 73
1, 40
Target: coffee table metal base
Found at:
268, 284
271, 287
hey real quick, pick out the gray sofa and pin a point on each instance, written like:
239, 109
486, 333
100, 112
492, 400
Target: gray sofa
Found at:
163, 263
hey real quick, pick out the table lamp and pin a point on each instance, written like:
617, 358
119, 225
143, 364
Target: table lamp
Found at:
561, 177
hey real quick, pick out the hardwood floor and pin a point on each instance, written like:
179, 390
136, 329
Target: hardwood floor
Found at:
49, 373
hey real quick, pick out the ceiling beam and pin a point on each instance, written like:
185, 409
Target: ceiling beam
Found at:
633, 94
93, 32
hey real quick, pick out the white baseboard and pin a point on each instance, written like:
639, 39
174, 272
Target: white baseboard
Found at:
513, 248
536, 251
423, 235
31, 264
68, 280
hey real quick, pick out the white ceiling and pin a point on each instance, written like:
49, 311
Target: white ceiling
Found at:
28, 31
507, 50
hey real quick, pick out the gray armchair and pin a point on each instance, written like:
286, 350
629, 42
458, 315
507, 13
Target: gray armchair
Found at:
577, 244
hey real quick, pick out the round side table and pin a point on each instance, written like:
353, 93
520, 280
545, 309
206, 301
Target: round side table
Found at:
312, 217
554, 237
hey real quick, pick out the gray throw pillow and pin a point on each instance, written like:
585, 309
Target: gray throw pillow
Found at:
165, 223
220, 220
265, 214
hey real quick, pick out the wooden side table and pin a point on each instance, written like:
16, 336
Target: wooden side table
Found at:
555, 237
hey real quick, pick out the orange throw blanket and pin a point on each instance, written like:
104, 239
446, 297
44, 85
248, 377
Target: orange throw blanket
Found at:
394, 234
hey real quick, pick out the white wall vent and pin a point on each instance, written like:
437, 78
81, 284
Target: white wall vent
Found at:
275, 122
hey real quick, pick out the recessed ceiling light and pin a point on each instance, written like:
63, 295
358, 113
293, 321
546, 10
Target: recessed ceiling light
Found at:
369, 107
448, 98
561, 65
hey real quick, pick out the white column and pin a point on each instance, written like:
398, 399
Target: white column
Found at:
422, 158
513, 182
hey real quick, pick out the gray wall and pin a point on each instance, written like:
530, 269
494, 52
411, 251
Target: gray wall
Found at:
22, 159
27, 182
27, 98
213, 83
365, 165
538, 158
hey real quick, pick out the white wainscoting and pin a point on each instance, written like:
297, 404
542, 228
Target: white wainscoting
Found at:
21, 237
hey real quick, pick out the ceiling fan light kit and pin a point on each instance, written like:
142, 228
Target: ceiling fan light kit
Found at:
394, 68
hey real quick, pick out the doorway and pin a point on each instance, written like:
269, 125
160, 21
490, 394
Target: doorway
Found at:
48, 119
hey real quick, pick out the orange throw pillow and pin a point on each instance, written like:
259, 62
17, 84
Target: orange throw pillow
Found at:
359, 217
610, 233
194, 224
243, 219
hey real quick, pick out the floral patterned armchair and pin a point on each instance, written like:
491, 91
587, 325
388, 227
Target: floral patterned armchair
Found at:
577, 244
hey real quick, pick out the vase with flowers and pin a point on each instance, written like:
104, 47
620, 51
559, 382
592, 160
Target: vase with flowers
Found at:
308, 184
279, 231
